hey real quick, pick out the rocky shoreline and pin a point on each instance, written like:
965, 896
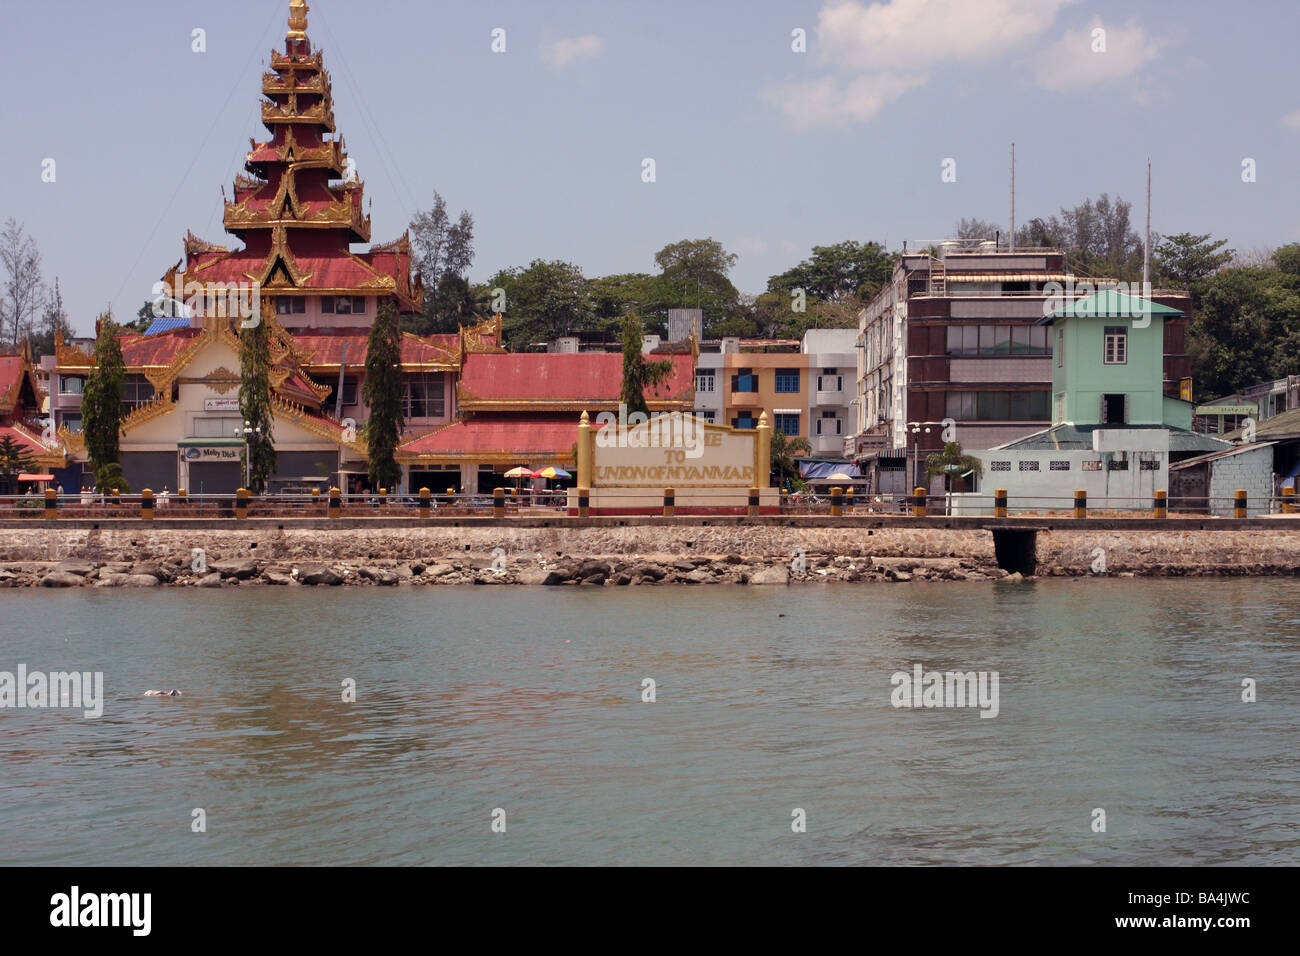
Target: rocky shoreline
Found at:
617, 555
585, 572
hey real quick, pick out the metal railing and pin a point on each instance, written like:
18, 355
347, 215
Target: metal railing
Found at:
505, 502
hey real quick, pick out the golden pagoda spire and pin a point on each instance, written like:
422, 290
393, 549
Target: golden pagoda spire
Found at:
297, 20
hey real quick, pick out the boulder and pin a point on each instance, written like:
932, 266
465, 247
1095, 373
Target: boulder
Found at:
319, 574
278, 576
110, 579
153, 569
597, 578
209, 580
590, 568
700, 576
74, 566
139, 581
777, 574
241, 570
534, 576
686, 567
438, 570
651, 571
61, 579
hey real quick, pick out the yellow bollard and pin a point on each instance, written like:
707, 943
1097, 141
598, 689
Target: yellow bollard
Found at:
241, 503
425, 501
752, 509
335, 507
146, 505
918, 502
51, 503
1080, 503
498, 502
1160, 507
1288, 505
1000, 503
1239, 503
670, 502
584, 502
837, 502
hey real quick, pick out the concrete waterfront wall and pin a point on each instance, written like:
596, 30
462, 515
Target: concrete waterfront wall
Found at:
1173, 548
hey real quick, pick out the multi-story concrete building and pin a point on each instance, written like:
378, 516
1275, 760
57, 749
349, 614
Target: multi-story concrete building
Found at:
955, 336
832, 367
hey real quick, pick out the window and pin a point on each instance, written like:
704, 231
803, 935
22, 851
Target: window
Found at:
744, 381
343, 304
290, 305
1149, 464
1060, 348
787, 380
704, 379
829, 381
999, 466
137, 390
1023, 406
1058, 466
708, 414
744, 420
349, 391
1116, 349
72, 422
998, 340
1026, 465
828, 424
71, 384
422, 396
1118, 464
786, 423
1092, 466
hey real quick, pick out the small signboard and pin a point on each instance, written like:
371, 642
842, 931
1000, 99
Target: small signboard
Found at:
221, 404
212, 453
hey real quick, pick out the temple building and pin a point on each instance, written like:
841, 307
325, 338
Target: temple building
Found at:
22, 401
471, 410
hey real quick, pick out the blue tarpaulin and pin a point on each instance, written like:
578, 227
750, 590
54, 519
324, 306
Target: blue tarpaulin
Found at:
821, 470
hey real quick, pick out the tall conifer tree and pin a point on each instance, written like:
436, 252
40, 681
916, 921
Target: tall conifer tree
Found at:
382, 392
255, 399
101, 406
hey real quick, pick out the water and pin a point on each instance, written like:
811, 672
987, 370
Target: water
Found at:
1116, 694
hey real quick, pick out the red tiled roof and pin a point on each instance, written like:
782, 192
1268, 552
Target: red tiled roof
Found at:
417, 350
593, 379
531, 439
160, 349
13, 369
24, 439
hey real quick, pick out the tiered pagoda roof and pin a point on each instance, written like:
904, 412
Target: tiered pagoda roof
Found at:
298, 210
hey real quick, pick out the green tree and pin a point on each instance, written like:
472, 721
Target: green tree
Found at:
1182, 260
382, 392
694, 274
845, 270
542, 302
1096, 236
952, 464
14, 460
255, 403
638, 374
1246, 327
784, 450
101, 406
54, 319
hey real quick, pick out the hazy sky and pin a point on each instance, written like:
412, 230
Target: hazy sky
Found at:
766, 149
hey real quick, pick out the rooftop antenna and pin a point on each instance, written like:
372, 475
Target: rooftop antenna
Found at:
1146, 242
1011, 236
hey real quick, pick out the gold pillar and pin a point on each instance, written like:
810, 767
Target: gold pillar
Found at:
586, 442
763, 453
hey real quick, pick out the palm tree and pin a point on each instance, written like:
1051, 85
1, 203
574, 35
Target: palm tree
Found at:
784, 449
952, 464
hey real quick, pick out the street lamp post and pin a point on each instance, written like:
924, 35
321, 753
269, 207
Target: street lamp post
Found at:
250, 430
916, 428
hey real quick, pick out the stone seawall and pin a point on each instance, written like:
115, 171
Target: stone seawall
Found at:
644, 554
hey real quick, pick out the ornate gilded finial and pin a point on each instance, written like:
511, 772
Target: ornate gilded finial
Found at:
585, 419
297, 20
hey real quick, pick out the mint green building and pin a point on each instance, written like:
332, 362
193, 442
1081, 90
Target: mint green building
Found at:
1108, 363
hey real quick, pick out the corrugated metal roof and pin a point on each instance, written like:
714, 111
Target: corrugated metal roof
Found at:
166, 324
1079, 437
1226, 453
